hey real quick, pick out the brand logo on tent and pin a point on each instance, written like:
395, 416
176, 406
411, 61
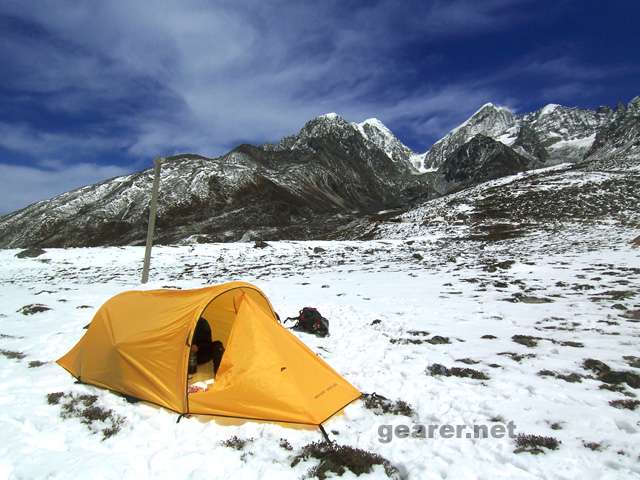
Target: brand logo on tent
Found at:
330, 387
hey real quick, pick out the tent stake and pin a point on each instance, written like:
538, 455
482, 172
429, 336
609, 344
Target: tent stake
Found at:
324, 433
180, 417
152, 218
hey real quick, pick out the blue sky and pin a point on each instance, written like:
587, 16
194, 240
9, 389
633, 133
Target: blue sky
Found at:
95, 89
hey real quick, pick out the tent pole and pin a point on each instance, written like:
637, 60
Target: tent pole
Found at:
152, 218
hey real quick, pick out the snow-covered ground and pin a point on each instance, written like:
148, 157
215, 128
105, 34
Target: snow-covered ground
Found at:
562, 287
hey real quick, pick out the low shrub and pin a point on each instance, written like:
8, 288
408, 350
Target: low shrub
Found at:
336, 459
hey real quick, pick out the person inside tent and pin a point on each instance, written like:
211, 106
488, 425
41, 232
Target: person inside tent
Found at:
203, 348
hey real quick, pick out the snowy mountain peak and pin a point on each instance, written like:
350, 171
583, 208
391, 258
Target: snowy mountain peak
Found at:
328, 124
332, 126
374, 122
377, 133
492, 106
488, 120
329, 119
553, 134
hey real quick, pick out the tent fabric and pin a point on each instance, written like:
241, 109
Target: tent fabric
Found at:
138, 344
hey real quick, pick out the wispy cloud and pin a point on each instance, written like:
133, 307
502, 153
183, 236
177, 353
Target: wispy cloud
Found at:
37, 143
211, 74
24, 185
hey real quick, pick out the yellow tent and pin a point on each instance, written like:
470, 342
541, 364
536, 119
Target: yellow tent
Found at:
138, 344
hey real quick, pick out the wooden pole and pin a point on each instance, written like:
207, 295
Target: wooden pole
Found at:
152, 218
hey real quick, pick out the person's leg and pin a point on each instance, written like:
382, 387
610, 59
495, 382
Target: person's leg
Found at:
218, 351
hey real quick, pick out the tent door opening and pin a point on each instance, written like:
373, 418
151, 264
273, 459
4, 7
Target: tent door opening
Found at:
219, 316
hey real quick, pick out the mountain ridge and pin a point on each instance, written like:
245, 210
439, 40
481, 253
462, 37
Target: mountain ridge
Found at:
331, 172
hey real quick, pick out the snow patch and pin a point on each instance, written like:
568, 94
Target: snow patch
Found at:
330, 116
547, 109
374, 122
446, 291
417, 160
576, 143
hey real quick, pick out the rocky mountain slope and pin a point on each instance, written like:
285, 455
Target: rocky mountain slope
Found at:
330, 174
477, 161
568, 198
617, 145
301, 187
377, 132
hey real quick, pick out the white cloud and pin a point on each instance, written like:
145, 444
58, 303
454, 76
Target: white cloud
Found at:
25, 185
